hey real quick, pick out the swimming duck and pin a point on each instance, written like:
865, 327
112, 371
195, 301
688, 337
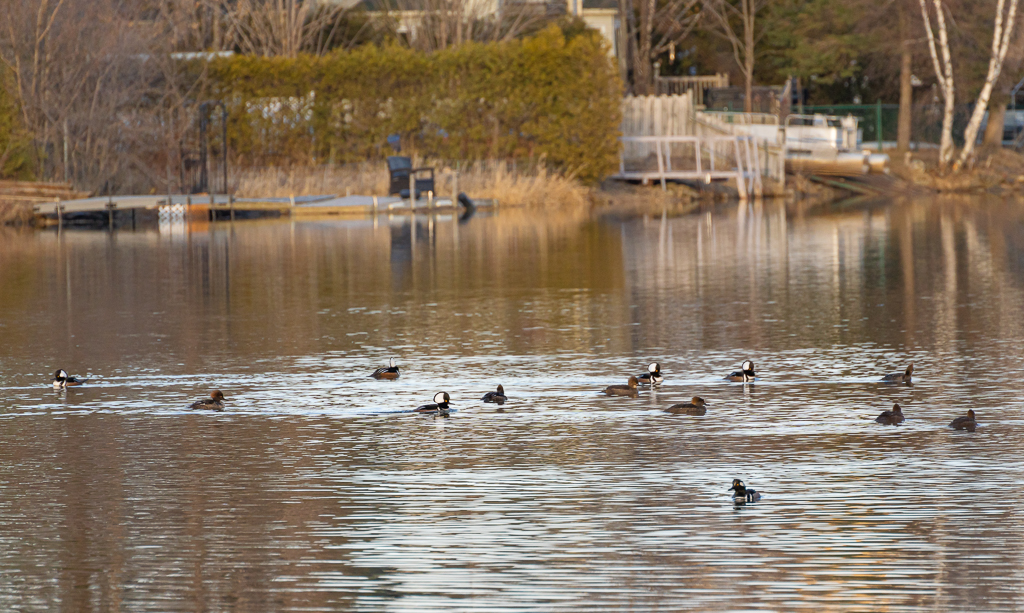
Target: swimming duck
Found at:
742, 493
891, 418
652, 376
694, 407
440, 406
391, 372
745, 375
964, 422
903, 377
496, 397
61, 380
214, 403
623, 390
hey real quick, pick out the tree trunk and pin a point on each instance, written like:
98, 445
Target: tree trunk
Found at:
906, 88
748, 42
944, 74
1001, 34
996, 116
642, 60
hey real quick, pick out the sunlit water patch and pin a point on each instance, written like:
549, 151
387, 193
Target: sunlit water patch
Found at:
317, 490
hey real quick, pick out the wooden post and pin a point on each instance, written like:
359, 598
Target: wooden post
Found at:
60, 215
231, 205
110, 211
430, 198
375, 205
455, 186
741, 185
412, 189
661, 164
878, 123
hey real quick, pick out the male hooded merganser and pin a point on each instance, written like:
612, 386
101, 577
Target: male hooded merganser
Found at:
891, 418
391, 372
903, 377
497, 397
623, 390
964, 422
61, 380
214, 403
694, 407
652, 376
440, 406
742, 493
745, 375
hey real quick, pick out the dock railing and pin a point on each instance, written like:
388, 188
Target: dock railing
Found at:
694, 158
769, 141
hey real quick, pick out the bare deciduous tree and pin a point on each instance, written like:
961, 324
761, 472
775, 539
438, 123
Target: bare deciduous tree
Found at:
662, 24
1001, 35
944, 74
725, 15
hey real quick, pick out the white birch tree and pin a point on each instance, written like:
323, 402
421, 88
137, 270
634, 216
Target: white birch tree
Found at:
1001, 34
944, 74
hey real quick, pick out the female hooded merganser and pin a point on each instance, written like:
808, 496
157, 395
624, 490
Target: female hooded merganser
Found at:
391, 372
903, 377
214, 403
440, 406
61, 380
497, 397
694, 407
742, 493
964, 422
652, 376
891, 418
745, 375
623, 390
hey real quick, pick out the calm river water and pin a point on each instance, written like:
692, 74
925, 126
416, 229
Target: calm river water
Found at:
312, 492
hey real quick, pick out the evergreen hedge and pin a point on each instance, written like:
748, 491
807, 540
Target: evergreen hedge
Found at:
548, 97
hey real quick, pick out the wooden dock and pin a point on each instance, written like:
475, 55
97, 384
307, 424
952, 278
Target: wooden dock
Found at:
112, 210
692, 158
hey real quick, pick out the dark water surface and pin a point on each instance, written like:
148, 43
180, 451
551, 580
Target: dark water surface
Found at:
311, 492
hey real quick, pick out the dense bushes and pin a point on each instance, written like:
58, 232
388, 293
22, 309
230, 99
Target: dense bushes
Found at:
15, 142
544, 97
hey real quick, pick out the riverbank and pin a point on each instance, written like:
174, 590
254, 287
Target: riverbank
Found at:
996, 171
529, 188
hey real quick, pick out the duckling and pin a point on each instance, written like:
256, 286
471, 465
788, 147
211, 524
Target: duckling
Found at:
745, 375
652, 376
891, 418
439, 408
964, 422
694, 407
903, 377
214, 403
497, 397
742, 493
61, 380
391, 372
623, 390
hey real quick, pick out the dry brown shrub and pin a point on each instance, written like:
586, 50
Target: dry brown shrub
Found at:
534, 187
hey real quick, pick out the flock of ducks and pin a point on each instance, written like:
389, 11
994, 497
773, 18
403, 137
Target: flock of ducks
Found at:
696, 406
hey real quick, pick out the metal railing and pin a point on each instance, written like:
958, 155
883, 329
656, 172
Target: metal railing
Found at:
696, 158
